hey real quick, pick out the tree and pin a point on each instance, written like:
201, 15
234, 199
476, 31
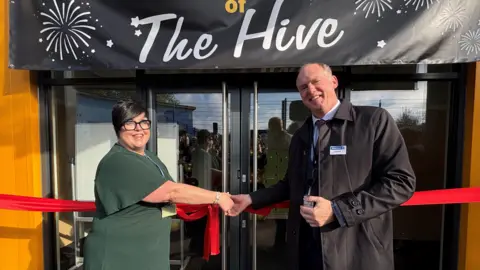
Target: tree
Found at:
112, 94
167, 98
408, 120
124, 94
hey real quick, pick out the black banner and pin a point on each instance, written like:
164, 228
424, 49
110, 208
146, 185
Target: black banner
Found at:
225, 34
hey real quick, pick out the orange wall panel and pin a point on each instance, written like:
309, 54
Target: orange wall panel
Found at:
20, 162
469, 246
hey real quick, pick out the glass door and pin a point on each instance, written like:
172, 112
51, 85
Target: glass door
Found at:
199, 139
275, 115
421, 112
240, 178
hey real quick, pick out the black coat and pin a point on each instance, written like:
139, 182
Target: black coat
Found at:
376, 168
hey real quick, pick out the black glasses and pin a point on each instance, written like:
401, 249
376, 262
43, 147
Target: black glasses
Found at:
132, 125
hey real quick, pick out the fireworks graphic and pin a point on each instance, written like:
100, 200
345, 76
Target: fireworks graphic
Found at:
452, 16
373, 6
419, 3
399, 62
470, 42
66, 29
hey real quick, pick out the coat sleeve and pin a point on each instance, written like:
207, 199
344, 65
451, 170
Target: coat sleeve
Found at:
280, 191
271, 195
393, 179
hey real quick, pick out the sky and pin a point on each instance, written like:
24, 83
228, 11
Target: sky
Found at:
209, 106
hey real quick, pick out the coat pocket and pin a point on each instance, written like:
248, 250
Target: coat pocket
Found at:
373, 233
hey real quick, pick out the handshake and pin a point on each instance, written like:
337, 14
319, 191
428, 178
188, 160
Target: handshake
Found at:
318, 215
233, 205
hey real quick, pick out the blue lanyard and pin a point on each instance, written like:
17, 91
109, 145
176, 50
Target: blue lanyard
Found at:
158, 166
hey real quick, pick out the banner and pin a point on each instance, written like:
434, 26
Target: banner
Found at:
213, 34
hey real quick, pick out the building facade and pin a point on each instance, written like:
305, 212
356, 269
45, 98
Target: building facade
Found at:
54, 121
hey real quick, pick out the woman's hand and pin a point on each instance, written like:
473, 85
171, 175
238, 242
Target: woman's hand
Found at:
225, 202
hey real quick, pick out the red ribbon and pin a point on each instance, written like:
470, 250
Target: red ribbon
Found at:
431, 197
194, 212
211, 239
445, 196
184, 211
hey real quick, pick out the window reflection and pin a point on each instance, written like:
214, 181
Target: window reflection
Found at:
84, 135
279, 116
196, 121
422, 117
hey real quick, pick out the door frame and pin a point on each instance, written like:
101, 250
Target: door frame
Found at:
235, 163
249, 98
183, 83
239, 175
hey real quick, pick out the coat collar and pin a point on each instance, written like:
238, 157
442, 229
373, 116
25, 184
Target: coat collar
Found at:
345, 112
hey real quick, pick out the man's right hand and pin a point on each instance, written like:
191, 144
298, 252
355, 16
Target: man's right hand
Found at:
241, 201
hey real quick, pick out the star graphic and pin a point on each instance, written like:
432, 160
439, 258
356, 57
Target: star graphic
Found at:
93, 50
399, 11
40, 40
381, 44
135, 22
109, 43
138, 33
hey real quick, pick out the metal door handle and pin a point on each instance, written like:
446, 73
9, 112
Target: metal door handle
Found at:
224, 169
255, 170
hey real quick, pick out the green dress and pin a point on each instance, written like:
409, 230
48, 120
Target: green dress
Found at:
127, 233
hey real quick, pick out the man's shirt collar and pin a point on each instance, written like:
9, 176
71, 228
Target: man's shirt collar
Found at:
329, 115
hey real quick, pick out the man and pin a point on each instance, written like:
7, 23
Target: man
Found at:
355, 169
202, 160
278, 143
202, 172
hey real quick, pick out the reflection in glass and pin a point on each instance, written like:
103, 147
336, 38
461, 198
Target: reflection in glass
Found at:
422, 117
189, 130
84, 135
194, 122
279, 116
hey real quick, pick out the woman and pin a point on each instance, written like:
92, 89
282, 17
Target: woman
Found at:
134, 196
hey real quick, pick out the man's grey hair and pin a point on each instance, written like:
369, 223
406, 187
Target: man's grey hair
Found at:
325, 67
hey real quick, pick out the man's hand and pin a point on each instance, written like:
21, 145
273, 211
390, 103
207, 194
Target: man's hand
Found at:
241, 202
319, 215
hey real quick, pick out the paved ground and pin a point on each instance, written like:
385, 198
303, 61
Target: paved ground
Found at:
409, 255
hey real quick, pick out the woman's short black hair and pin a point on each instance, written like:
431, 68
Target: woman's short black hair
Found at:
124, 111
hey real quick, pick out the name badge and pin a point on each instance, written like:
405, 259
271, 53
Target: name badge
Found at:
169, 210
338, 150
